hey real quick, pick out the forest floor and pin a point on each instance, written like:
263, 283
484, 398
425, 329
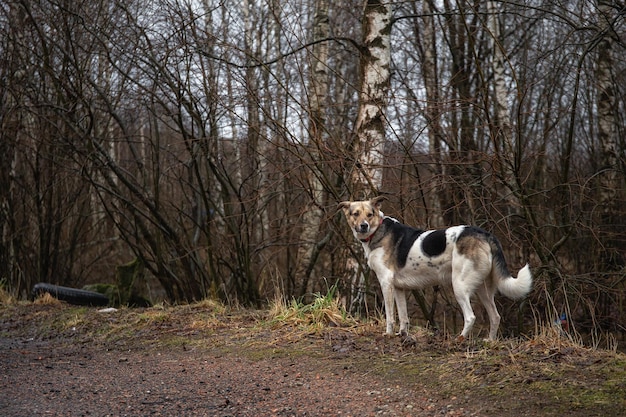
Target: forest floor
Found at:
208, 360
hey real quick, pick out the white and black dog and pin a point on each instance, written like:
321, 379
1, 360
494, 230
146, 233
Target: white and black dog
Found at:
468, 258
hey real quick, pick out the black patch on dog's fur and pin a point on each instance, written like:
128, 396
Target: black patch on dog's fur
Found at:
403, 238
473, 231
435, 243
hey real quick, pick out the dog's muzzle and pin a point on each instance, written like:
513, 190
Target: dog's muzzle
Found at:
363, 227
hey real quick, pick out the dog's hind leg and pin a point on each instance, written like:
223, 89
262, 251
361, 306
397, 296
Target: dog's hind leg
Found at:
463, 298
400, 296
468, 274
486, 295
464, 279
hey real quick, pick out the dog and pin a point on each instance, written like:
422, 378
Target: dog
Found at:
467, 258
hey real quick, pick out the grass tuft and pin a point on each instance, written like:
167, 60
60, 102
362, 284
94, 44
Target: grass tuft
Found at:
6, 299
210, 304
325, 310
46, 299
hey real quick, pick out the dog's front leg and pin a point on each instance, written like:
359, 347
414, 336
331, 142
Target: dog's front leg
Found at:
385, 279
390, 316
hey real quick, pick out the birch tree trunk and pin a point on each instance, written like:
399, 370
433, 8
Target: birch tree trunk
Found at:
607, 137
367, 176
503, 131
505, 152
308, 248
374, 85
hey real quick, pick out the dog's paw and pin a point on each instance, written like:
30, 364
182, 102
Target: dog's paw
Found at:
460, 338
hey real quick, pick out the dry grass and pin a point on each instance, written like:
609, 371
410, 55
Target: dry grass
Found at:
210, 304
46, 299
325, 310
6, 298
549, 370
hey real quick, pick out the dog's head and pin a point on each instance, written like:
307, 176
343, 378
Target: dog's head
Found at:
363, 217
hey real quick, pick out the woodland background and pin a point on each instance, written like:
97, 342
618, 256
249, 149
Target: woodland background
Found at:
212, 140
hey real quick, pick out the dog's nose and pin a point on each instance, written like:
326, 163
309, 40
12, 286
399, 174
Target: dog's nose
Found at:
364, 227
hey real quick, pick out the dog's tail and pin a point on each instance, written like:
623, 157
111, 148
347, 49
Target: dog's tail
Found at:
508, 285
515, 288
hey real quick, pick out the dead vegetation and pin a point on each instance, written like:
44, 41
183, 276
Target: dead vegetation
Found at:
546, 374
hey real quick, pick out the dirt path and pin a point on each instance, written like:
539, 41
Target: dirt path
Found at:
38, 380
64, 361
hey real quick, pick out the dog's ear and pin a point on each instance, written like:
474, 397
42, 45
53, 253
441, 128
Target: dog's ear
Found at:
378, 201
344, 205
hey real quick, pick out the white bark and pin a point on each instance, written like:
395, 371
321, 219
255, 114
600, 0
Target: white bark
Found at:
503, 134
503, 117
374, 85
367, 178
318, 95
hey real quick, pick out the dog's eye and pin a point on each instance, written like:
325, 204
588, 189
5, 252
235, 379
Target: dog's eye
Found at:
355, 214
370, 215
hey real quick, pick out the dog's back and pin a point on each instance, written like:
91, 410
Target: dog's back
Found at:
420, 258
